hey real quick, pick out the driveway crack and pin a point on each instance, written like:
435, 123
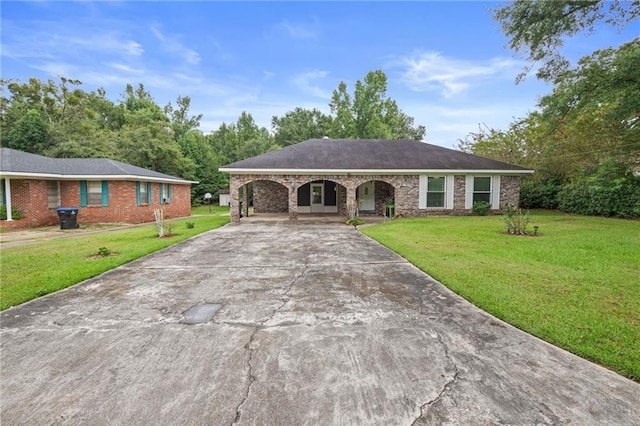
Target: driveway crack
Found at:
424, 408
250, 349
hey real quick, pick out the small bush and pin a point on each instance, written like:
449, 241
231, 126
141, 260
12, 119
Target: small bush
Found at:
15, 214
190, 225
168, 229
540, 194
515, 220
104, 251
481, 208
355, 221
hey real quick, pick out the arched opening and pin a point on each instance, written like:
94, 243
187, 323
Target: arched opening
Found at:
321, 196
269, 197
374, 196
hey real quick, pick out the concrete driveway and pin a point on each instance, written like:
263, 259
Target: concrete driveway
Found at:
317, 324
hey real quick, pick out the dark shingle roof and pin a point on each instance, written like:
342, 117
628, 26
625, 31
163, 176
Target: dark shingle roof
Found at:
18, 163
369, 154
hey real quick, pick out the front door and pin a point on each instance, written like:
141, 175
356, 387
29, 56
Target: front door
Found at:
366, 196
317, 198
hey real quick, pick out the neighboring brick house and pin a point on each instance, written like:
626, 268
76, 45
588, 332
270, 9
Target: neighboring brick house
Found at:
359, 176
105, 191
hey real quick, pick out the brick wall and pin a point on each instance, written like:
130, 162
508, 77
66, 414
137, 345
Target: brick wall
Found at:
30, 197
403, 189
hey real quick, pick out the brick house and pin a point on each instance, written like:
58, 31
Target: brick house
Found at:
357, 176
104, 190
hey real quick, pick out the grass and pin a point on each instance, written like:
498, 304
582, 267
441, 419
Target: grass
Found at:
576, 285
34, 270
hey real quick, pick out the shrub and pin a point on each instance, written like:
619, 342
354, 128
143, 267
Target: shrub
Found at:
540, 193
15, 214
481, 208
610, 191
355, 221
515, 220
104, 251
190, 225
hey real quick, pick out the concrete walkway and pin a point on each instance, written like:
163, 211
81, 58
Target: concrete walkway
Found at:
317, 324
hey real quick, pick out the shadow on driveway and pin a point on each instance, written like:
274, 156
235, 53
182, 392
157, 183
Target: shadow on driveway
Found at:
313, 324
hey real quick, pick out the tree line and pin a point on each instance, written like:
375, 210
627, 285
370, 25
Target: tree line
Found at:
62, 120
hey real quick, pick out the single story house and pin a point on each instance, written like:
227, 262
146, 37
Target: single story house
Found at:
361, 176
104, 190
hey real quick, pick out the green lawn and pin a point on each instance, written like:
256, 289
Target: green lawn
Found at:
576, 285
33, 270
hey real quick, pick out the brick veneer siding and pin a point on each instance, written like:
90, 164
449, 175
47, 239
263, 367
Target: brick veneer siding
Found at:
403, 189
30, 197
270, 197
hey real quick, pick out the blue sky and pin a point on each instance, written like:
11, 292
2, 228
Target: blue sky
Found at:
446, 62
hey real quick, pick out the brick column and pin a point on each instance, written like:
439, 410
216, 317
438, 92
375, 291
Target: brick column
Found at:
293, 202
351, 201
245, 197
234, 186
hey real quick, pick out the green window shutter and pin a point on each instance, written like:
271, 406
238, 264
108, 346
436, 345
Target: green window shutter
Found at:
161, 193
4, 196
105, 193
169, 192
149, 193
138, 201
83, 193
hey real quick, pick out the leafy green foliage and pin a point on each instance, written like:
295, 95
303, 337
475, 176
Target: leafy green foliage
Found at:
539, 193
610, 191
15, 213
516, 220
299, 125
538, 28
481, 208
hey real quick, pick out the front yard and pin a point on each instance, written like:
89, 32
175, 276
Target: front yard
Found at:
575, 285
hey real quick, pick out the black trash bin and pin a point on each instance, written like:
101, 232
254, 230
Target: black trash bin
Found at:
68, 217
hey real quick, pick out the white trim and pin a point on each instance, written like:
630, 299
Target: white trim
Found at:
55, 176
449, 190
422, 192
468, 193
476, 172
7, 196
495, 192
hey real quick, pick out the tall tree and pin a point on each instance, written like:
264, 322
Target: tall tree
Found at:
181, 122
299, 125
369, 113
240, 140
539, 27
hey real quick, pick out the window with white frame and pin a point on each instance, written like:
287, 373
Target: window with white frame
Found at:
144, 194
53, 194
436, 189
94, 193
482, 189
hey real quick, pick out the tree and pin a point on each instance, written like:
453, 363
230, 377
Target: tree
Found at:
194, 146
30, 133
538, 27
299, 125
369, 114
181, 122
240, 140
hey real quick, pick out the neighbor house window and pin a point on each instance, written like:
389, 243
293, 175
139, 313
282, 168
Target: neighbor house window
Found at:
435, 192
482, 189
94, 193
53, 193
165, 193
143, 193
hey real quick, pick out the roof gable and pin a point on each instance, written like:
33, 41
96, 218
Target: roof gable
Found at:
19, 163
369, 155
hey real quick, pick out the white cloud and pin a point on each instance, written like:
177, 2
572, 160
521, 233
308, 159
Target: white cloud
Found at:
297, 30
305, 82
427, 71
172, 45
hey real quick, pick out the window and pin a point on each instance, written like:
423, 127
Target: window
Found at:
435, 192
53, 193
3, 199
482, 189
143, 193
94, 193
165, 193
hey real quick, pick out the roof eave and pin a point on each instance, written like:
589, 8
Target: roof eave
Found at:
56, 176
248, 171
